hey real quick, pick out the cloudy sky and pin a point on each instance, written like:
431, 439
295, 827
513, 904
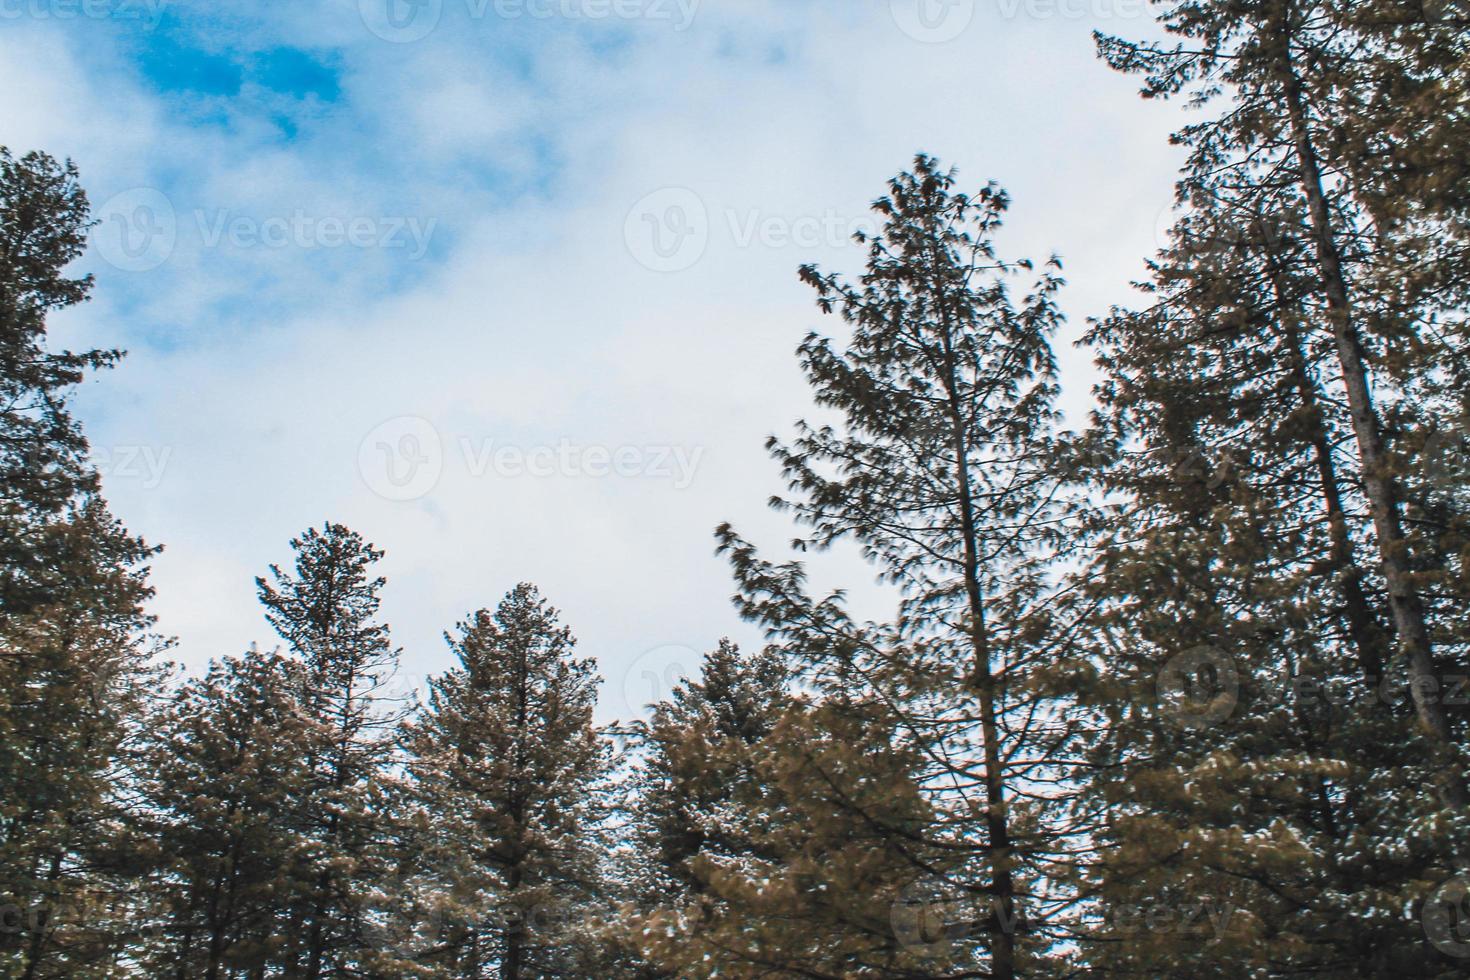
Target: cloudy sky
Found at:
509, 286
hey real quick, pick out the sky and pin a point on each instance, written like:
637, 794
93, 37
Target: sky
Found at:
509, 286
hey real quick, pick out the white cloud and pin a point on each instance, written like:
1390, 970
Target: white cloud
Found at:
532, 321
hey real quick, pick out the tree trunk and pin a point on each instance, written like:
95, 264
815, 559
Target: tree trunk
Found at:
1404, 602
1003, 891
1363, 628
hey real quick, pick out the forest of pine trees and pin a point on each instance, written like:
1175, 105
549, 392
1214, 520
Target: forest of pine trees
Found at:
1179, 692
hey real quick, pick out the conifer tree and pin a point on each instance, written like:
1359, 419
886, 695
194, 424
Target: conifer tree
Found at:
504, 759
946, 472
326, 609
1289, 67
74, 639
227, 773
1228, 560
736, 697
810, 839
1264, 600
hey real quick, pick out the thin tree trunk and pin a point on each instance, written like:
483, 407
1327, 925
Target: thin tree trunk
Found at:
43, 921
1003, 890
515, 936
1404, 602
1362, 625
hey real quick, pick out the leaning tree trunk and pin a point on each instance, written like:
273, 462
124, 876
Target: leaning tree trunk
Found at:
1403, 599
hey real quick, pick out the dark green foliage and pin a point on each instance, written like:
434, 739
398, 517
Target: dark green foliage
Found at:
74, 644
226, 775
504, 761
1266, 545
325, 609
948, 473
1184, 695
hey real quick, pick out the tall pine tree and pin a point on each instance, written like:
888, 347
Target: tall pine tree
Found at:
946, 471
1265, 599
504, 759
226, 776
74, 643
326, 609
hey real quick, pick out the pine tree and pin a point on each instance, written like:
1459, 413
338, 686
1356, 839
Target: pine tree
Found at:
1261, 595
736, 698
504, 759
1230, 558
74, 639
1289, 67
947, 472
326, 610
810, 836
227, 772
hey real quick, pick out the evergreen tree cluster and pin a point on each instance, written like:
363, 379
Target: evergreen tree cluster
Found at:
1182, 693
